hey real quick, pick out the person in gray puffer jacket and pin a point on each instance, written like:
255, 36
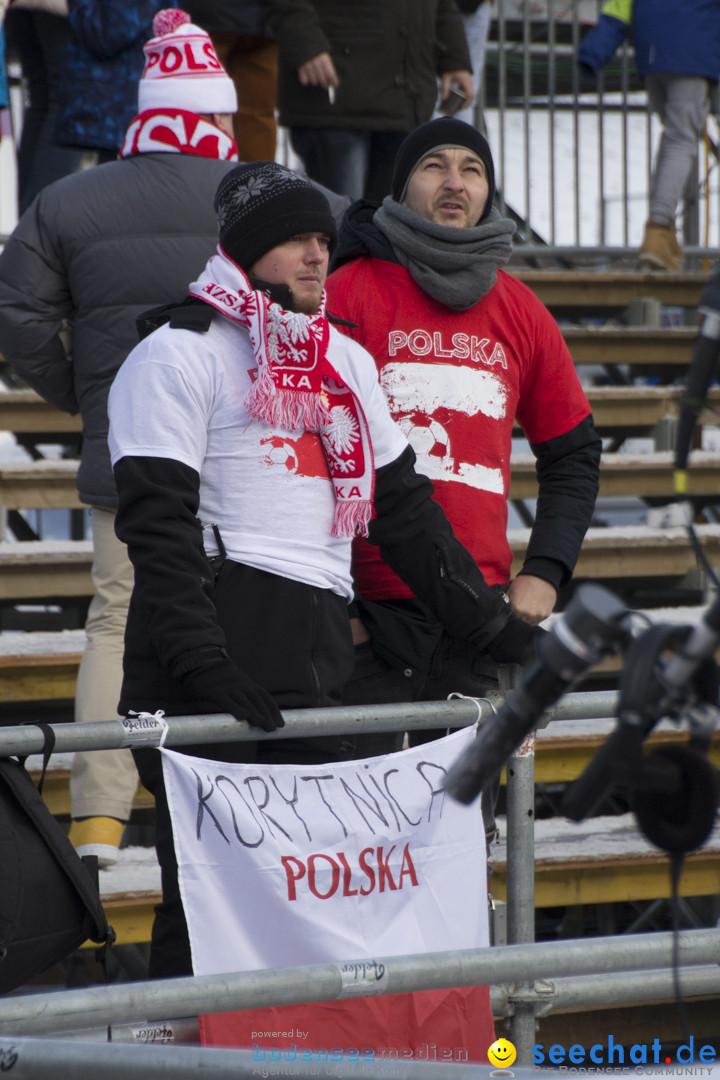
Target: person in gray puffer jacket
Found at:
91, 253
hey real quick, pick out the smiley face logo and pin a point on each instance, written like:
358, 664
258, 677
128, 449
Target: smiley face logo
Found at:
501, 1053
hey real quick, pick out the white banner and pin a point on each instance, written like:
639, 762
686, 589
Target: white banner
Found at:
287, 864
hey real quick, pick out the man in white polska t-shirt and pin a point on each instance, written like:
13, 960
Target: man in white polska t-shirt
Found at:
250, 441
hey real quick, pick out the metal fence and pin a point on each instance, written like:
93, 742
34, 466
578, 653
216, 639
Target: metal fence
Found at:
529, 979
573, 154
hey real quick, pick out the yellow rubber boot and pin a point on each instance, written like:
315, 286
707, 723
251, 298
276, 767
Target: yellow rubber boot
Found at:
99, 836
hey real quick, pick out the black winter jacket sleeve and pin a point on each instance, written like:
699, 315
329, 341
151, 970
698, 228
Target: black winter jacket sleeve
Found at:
35, 307
417, 541
157, 519
568, 470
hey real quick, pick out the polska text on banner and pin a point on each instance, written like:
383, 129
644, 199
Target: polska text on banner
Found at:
283, 865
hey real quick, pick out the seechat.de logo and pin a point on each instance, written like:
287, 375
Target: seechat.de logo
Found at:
612, 1053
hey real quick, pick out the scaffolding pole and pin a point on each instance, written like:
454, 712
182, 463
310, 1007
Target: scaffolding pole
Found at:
613, 990
34, 1014
299, 723
521, 886
40, 1059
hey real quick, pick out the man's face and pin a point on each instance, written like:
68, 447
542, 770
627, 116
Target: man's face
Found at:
449, 187
301, 263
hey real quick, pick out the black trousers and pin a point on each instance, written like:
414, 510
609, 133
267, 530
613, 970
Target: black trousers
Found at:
294, 640
400, 664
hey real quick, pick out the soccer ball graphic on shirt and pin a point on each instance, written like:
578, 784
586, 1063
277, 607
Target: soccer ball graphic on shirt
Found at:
430, 441
280, 452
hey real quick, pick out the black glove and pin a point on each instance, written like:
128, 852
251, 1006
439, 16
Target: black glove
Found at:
215, 677
515, 644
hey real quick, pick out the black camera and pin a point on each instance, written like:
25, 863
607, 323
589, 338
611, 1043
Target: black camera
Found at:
594, 625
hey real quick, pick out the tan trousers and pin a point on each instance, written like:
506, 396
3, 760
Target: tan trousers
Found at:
103, 782
252, 64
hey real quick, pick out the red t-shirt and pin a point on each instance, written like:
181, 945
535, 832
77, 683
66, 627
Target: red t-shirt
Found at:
455, 381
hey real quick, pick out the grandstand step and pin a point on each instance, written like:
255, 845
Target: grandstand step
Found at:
45, 569
643, 476
651, 348
24, 411
56, 784
626, 407
42, 569
39, 666
51, 484
598, 861
563, 749
39, 485
129, 891
632, 552
605, 860
591, 291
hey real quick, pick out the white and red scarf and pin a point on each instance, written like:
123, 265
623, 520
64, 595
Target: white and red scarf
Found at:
177, 131
297, 388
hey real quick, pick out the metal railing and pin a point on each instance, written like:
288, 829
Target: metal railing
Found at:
573, 154
520, 972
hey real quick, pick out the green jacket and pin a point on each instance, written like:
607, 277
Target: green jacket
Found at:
619, 9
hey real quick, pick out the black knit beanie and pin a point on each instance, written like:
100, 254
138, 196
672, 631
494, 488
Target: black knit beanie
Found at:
263, 204
444, 133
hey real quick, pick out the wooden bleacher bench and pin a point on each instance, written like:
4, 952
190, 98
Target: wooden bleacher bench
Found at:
565, 747
598, 861
588, 291
39, 485
605, 860
649, 347
129, 892
38, 569
56, 785
41, 569
632, 551
25, 411
51, 484
635, 410
628, 407
40, 665
643, 476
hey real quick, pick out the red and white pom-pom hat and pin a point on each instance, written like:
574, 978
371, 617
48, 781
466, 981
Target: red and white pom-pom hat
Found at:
182, 70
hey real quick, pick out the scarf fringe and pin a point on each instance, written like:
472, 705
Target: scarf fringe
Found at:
291, 410
352, 518
297, 389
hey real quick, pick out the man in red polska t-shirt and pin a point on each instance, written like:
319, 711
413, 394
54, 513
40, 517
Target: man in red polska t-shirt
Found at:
463, 350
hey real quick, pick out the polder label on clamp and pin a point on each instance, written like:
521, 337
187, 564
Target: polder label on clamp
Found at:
363, 978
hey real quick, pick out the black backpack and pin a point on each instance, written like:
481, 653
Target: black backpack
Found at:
49, 898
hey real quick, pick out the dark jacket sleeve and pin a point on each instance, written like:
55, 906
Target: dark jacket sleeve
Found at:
568, 469
452, 47
297, 27
36, 306
417, 542
157, 519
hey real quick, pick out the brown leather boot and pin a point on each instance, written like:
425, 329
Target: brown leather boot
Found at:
660, 249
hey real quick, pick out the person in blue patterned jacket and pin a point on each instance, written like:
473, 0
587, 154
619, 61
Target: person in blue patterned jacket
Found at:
4, 98
677, 51
103, 63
